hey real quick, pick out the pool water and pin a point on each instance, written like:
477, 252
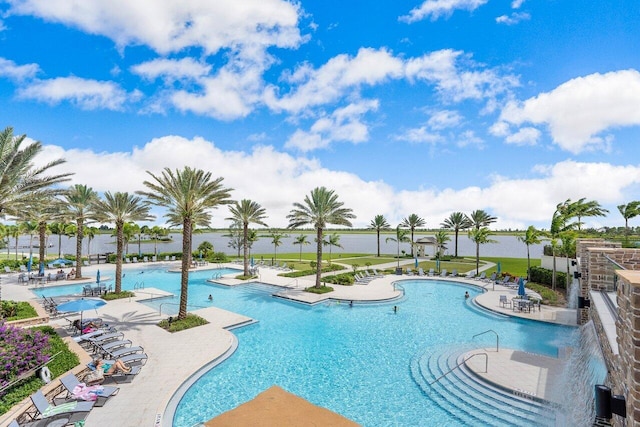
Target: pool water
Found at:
352, 360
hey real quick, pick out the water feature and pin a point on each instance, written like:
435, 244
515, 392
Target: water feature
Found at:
585, 368
572, 295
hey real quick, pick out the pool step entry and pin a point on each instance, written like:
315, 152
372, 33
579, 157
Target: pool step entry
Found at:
466, 397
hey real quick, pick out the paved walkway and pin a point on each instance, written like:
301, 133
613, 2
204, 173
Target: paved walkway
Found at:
173, 358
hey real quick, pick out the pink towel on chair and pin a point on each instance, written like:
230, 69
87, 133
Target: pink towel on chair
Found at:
85, 392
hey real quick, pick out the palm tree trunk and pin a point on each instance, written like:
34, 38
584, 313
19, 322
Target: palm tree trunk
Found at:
553, 273
79, 237
378, 243
528, 264
186, 262
42, 230
119, 253
318, 257
456, 243
477, 258
412, 243
246, 248
60, 245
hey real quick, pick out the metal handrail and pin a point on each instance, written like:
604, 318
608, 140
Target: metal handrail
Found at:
486, 366
497, 337
176, 303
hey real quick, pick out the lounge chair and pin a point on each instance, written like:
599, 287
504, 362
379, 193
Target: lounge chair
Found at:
443, 273
420, 272
504, 301
482, 276
23, 269
504, 280
166, 258
7, 269
71, 411
492, 278
134, 259
432, 272
51, 266
145, 259
470, 274
115, 354
76, 390
454, 273
409, 272
173, 257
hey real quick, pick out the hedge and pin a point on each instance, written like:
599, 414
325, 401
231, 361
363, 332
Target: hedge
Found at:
544, 276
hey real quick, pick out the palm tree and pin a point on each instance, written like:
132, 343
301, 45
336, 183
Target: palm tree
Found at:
156, 232
301, 240
480, 236
320, 208
276, 240
628, 211
441, 241
412, 222
59, 228
6, 234
477, 220
15, 232
90, 232
235, 235
378, 223
120, 208
188, 194
457, 221
21, 183
29, 228
247, 212
332, 240
560, 224
582, 209
401, 237
79, 200
532, 236
40, 214
129, 230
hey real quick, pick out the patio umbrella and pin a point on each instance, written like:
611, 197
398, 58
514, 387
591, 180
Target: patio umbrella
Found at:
41, 271
30, 263
416, 262
98, 277
498, 268
521, 291
80, 305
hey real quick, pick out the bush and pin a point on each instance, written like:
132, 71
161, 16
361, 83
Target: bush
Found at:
174, 325
345, 279
243, 277
12, 310
300, 273
321, 290
22, 350
118, 295
219, 257
544, 276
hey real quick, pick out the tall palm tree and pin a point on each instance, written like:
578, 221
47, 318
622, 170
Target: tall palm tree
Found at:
59, 228
401, 237
128, 234
332, 240
21, 183
479, 219
628, 211
457, 221
79, 200
276, 240
301, 240
379, 223
247, 212
156, 232
120, 208
480, 236
15, 232
90, 233
560, 225
29, 228
40, 214
532, 236
412, 222
320, 208
582, 208
189, 194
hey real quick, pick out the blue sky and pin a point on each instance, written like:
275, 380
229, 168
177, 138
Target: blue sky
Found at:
401, 107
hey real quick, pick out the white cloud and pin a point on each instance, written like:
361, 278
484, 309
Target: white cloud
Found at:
87, 94
513, 19
13, 71
444, 119
172, 69
333, 79
170, 26
344, 124
517, 197
515, 4
578, 111
524, 136
440, 8
468, 138
420, 135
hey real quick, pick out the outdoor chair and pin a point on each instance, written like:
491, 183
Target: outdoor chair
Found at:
420, 272
454, 273
71, 411
79, 391
7, 269
482, 276
504, 301
443, 273
432, 272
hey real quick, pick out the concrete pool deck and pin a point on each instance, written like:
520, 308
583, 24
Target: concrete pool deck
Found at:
174, 358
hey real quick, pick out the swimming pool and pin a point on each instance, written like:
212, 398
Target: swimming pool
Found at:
353, 360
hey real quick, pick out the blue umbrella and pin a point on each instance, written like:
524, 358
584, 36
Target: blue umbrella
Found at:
80, 305
521, 291
41, 272
499, 268
61, 261
98, 277
251, 261
416, 262
30, 263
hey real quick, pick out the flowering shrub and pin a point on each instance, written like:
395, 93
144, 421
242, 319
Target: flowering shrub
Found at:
20, 351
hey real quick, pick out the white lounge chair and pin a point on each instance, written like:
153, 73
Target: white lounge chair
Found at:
443, 273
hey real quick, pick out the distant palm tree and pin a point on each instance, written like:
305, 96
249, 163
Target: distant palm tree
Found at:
590, 208
412, 222
628, 211
29, 228
441, 241
129, 230
301, 240
156, 232
90, 233
59, 228
15, 231
276, 240
379, 223
320, 208
332, 240
188, 194
79, 200
457, 221
479, 219
401, 237
560, 225
480, 236
120, 208
247, 212
21, 183
532, 236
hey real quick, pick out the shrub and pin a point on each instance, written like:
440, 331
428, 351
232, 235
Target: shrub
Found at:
544, 276
219, 257
21, 351
300, 273
175, 325
321, 290
345, 279
113, 295
13, 310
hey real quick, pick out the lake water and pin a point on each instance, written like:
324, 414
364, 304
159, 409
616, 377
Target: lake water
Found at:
507, 246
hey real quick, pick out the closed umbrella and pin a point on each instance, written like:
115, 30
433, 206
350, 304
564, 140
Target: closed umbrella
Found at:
498, 268
41, 272
80, 305
30, 263
98, 277
521, 291
416, 264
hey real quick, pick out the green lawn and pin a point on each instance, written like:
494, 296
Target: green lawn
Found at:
513, 266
